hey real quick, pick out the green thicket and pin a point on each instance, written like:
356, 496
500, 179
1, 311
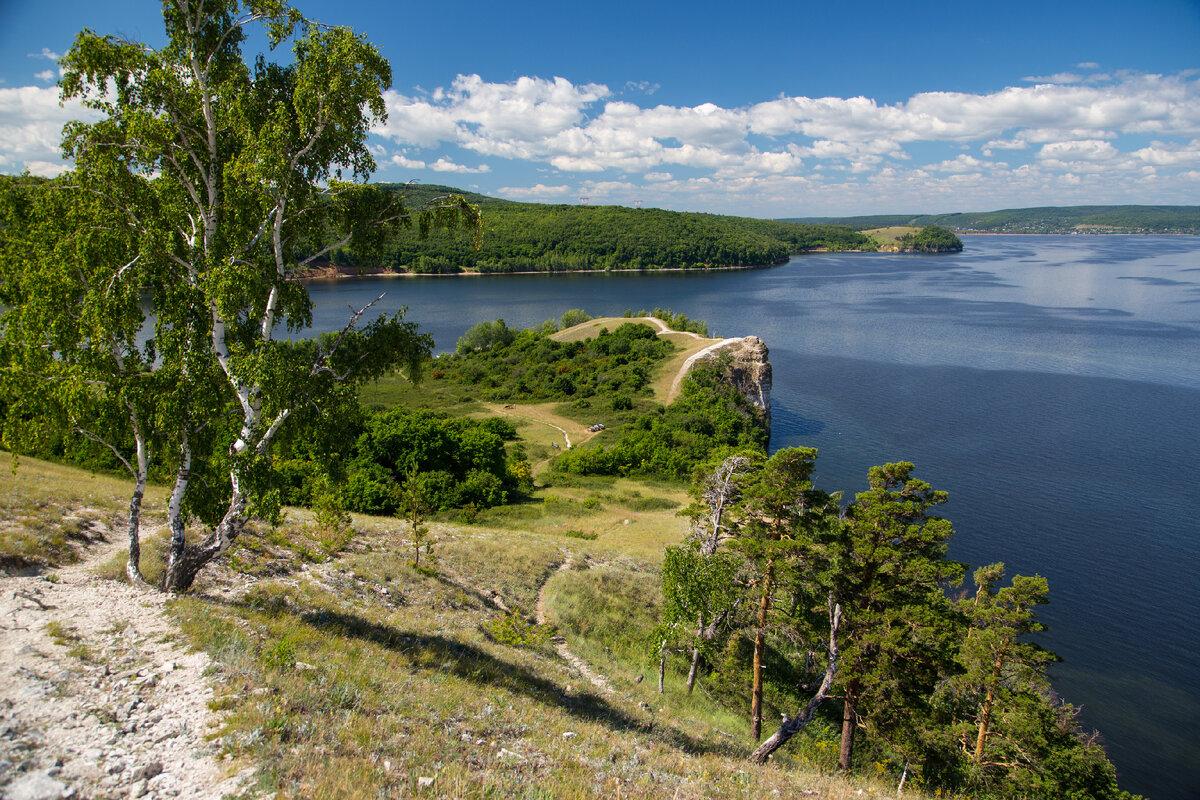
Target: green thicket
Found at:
522, 237
930, 239
392, 454
529, 366
708, 416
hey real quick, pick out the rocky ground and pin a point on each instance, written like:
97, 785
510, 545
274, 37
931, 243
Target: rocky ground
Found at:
98, 699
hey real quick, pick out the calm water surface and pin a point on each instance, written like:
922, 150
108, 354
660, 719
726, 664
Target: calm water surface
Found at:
1050, 384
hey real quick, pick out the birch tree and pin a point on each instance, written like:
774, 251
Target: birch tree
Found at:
231, 178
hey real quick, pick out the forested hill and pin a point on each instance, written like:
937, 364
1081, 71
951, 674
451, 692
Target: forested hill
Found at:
1049, 219
520, 237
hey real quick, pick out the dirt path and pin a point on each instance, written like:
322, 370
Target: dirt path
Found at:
687, 366
114, 708
541, 416
662, 327
560, 644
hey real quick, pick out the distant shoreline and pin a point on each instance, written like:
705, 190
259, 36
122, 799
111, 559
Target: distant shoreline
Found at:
1081, 233
335, 275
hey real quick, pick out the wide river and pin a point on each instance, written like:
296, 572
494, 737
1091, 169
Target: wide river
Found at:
1050, 383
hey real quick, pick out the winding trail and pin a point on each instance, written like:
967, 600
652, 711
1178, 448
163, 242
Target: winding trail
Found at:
687, 365
96, 698
560, 644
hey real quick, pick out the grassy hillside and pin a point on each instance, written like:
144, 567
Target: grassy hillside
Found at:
351, 675
1050, 219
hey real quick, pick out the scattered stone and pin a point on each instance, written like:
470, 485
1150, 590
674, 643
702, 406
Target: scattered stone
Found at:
147, 771
164, 783
137, 790
424, 782
506, 753
35, 786
570, 734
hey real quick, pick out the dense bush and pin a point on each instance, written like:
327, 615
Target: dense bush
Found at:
531, 366
670, 442
458, 462
930, 239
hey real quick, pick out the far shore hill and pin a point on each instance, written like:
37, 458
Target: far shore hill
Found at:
534, 237
520, 238
1043, 220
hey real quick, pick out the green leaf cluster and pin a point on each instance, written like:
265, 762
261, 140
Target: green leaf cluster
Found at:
930, 239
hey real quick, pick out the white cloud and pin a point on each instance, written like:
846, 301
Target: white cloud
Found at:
46, 53
406, 163
446, 165
1170, 155
31, 122
1058, 77
47, 75
645, 87
564, 125
47, 169
538, 192
966, 163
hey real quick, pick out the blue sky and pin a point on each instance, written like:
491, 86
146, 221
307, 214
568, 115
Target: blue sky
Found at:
770, 109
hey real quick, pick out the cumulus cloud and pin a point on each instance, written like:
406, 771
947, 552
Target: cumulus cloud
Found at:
446, 165
31, 122
966, 163
1069, 128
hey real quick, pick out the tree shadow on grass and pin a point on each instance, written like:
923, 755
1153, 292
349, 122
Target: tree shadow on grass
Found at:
466, 661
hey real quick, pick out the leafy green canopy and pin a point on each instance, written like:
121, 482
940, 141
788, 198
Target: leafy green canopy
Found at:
930, 239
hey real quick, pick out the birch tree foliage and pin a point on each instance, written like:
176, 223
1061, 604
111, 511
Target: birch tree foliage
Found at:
231, 177
76, 379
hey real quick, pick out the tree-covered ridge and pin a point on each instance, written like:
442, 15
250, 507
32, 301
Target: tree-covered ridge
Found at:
1046, 219
524, 237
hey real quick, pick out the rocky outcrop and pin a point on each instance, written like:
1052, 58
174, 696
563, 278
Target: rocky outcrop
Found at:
747, 366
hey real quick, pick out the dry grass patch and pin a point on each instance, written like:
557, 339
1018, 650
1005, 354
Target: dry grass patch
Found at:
50, 512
